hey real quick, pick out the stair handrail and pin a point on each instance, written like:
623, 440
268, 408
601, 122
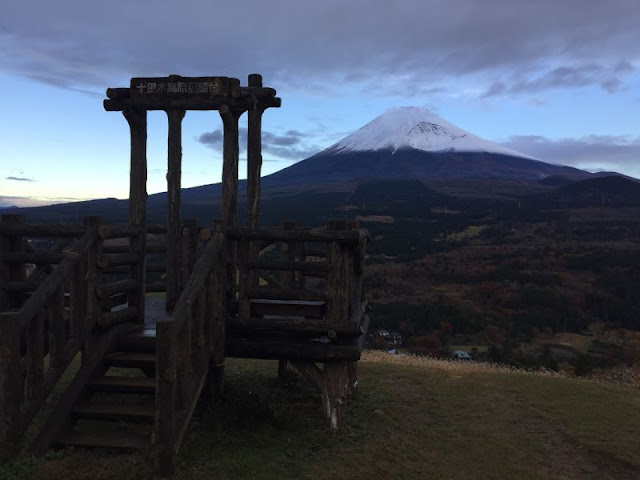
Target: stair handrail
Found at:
53, 282
24, 391
177, 336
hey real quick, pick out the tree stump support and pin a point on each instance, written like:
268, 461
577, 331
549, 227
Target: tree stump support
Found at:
332, 383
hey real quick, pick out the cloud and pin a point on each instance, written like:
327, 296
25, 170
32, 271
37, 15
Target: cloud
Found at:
593, 152
323, 47
608, 78
288, 146
7, 201
20, 179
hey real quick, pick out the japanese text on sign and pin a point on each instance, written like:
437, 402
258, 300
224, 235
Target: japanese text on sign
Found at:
178, 87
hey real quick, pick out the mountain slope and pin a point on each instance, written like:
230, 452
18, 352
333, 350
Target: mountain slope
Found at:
415, 143
400, 144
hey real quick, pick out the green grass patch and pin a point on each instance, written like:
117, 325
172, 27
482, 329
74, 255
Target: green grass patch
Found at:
410, 419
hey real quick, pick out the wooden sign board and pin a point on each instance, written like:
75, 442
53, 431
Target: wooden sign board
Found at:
182, 91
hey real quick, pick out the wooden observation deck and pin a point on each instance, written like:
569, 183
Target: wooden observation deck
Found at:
78, 295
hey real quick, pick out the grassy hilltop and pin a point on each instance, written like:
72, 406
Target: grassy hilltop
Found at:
413, 418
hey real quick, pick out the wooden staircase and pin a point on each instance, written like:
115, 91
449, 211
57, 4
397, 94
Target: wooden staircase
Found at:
116, 410
138, 384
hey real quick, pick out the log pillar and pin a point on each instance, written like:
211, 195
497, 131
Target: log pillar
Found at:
217, 316
11, 386
254, 166
336, 377
189, 253
331, 382
339, 280
94, 280
287, 278
137, 119
174, 221
254, 158
231, 156
14, 272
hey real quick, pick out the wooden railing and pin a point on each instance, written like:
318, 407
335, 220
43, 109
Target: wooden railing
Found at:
307, 266
41, 332
185, 343
91, 280
62, 287
125, 268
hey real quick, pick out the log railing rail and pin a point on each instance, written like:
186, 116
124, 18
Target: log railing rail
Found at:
78, 291
339, 264
185, 343
39, 339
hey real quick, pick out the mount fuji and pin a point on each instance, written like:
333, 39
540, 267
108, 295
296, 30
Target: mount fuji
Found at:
418, 129
407, 152
411, 142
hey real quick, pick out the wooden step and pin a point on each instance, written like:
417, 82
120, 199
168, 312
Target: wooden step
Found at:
116, 440
116, 384
142, 340
114, 411
131, 360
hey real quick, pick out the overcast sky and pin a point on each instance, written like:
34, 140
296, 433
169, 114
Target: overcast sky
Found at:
558, 80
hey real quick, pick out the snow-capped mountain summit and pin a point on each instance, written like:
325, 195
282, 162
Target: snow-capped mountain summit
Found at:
418, 129
414, 143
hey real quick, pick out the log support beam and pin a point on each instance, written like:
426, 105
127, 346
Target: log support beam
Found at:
231, 156
174, 221
332, 383
137, 119
254, 158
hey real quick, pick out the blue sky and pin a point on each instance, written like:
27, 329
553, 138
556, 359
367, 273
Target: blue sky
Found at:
559, 80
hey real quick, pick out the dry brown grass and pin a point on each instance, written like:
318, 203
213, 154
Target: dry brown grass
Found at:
452, 366
579, 342
413, 418
620, 375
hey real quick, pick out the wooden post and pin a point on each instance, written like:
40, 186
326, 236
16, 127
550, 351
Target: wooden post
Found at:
355, 308
217, 316
189, 253
335, 374
165, 428
339, 280
137, 119
34, 359
94, 280
189, 250
287, 280
230, 154
174, 173
287, 253
342, 377
231, 150
80, 288
15, 272
184, 366
57, 340
254, 158
244, 305
11, 387
332, 385
254, 166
